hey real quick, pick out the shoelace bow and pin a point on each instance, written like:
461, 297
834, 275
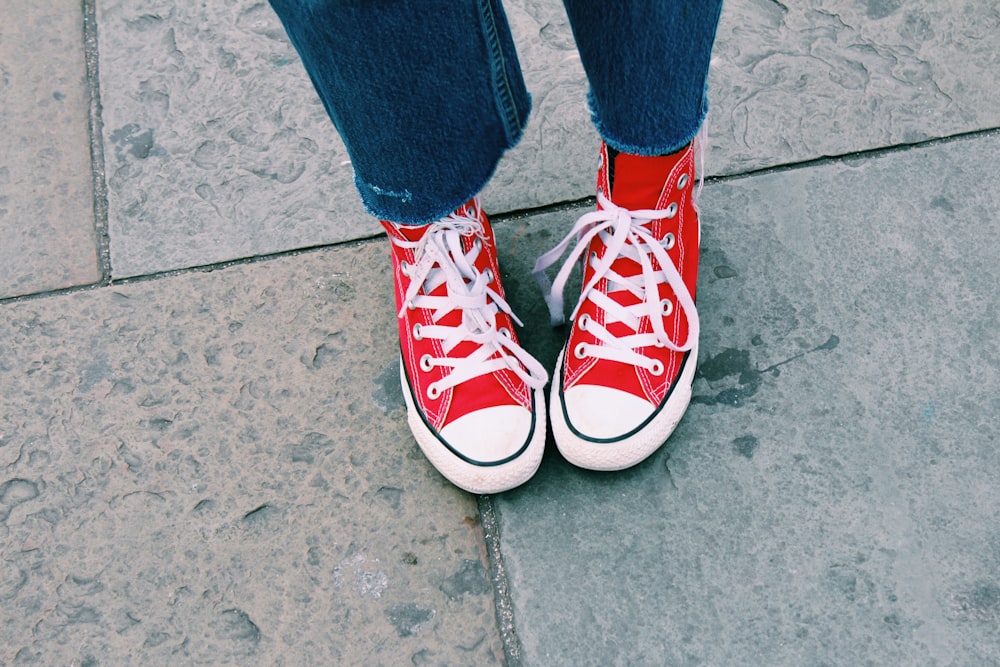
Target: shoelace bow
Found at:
624, 233
439, 259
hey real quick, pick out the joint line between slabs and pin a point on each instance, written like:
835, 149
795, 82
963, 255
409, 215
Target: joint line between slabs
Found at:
101, 207
503, 606
95, 126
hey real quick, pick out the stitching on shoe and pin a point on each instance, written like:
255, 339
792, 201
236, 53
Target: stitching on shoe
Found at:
507, 379
484, 464
659, 408
436, 416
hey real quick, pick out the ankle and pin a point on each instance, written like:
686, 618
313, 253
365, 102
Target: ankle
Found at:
638, 181
470, 209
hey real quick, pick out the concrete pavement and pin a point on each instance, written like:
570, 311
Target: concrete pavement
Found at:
203, 454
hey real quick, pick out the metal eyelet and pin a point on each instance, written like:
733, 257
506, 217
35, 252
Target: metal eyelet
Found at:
657, 368
425, 363
505, 332
433, 392
410, 305
477, 243
671, 210
580, 351
489, 275
669, 241
682, 182
404, 268
417, 335
668, 307
583, 322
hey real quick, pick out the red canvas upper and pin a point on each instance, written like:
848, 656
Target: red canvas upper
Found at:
641, 183
502, 387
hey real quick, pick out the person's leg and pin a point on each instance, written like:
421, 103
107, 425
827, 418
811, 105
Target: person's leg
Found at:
647, 64
623, 381
427, 95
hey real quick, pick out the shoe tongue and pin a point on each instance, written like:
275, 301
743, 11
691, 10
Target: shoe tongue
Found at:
638, 180
411, 232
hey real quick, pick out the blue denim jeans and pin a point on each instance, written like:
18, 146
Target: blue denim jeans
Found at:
428, 94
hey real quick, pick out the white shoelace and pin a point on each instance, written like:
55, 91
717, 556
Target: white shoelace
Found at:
441, 260
623, 233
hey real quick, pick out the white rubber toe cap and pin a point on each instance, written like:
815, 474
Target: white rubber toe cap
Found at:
603, 412
491, 434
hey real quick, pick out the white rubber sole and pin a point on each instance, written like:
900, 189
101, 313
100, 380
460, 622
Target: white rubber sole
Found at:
473, 477
625, 452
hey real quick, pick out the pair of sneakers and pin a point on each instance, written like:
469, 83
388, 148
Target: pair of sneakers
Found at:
474, 396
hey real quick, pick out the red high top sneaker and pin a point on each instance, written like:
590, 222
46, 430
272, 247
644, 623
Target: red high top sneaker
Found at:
623, 380
473, 396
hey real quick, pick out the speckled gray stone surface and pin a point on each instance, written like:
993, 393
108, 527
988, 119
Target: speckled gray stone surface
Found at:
218, 148
793, 81
832, 496
214, 468
47, 236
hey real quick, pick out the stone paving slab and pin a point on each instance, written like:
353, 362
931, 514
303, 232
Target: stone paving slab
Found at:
217, 147
795, 81
46, 204
215, 468
832, 497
